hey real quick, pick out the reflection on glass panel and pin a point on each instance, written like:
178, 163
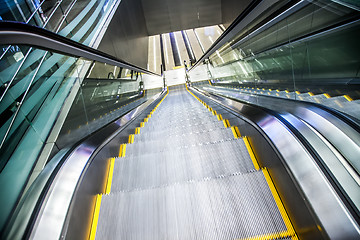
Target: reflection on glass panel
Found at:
15, 10
106, 93
309, 49
29, 107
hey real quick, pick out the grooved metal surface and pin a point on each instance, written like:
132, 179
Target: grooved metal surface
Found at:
186, 177
232, 207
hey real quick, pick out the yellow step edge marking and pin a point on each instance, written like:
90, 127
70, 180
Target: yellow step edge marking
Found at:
269, 236
297, 92
178, 67
287, 91
236, 132
251, 153
131, 138
327, 95
280, 205
310, 93
137, 130
226, 123
347, 97
210, 82
219, 117
142, 124
110, 176
122, 150
214, 112
95, 217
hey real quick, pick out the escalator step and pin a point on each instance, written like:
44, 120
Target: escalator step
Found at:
182, 127
225, 208
198, 134
180, 165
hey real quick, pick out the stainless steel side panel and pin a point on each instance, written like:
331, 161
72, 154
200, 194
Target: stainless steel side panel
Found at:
326, 204
51, 217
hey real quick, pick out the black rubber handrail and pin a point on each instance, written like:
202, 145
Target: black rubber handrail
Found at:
15, 33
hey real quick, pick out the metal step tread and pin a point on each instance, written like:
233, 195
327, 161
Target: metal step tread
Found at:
180, 165
182, 127
188, 132
189, 139
238, 206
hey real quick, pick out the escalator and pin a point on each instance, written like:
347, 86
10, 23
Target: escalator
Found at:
188, 174
190, 162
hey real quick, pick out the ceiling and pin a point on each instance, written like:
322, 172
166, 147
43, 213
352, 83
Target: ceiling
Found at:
163, 16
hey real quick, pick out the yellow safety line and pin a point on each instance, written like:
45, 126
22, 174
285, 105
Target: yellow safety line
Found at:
131, 138
348, 98
219, 117
110, 176
226, 123
137, 130
214, 112
236, 132
95, 217
327, 95
210, 83
282, 234
122, 150
178, 67
285, 216
251, 153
